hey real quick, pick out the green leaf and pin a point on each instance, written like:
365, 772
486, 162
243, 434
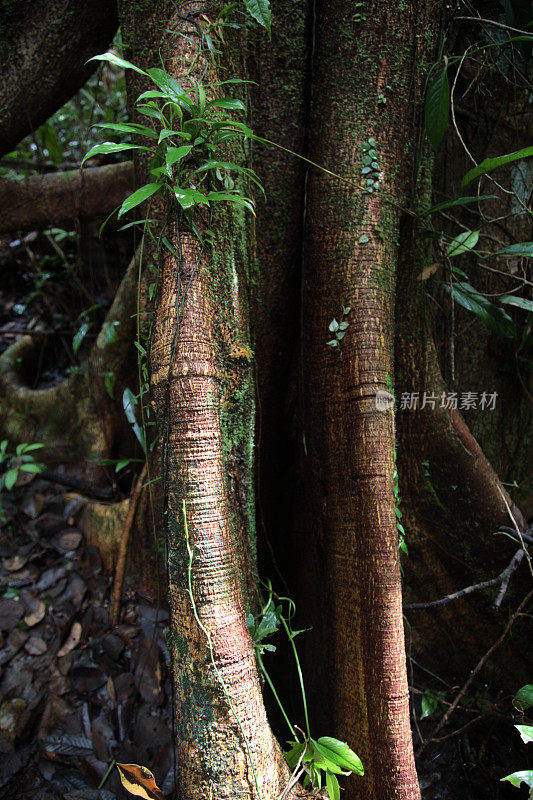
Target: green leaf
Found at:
138, 197
27, 448
430, 702
268, 625
464, 241
493, 316
128, 127
80, 335
187, 198
524, 696
343, 754
333, 325
437, 107
519, 302
526, 776
526, 732
169, 84
228, 103
459, 201
232, 198
31, 467
10, 478
521, 249
332, 785
174, 154
260, 11
488, 164
109, 381
129, 401
110, 147
293, 756
119, 62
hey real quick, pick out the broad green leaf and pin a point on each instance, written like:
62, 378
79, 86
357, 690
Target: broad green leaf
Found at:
187, 198
232, 198
437, 107
138, 197
27, 448
525, 731
80, 335
526, 776
466, 240
345, 756
488, 164
10, 478
228, 103
260, 11
119, 62
333, 325
169, 84
293, 756
493, 316
110, 147
459, 201
524, 696
268, 625
332, 785
520, 249
127, 127
166, 132
175, 153
31, 467
519, 302
323, 758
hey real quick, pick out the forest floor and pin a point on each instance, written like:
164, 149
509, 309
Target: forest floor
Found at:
75, 693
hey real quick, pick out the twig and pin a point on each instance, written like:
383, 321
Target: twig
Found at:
118, 583
483, 660
502, 578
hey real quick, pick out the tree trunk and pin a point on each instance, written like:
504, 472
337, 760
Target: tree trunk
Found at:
360, 104
50, 41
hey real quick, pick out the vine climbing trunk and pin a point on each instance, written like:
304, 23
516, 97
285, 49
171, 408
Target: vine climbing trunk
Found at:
202, 383
364, 113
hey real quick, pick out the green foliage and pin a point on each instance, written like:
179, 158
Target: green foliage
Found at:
370, 169
338, 329
524, 697
430, 702
492, 315
260, 11
310, 759
489, 164
437, 108
11, 464
187, 175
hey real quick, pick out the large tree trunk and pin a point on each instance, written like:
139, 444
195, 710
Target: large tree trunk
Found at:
44, 47
350, 262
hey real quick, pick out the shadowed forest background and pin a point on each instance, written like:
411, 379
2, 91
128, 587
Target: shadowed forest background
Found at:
295, 362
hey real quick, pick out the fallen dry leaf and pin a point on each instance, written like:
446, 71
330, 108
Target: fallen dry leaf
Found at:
34, 617
15, 563
10, 613
72, 640
427, 272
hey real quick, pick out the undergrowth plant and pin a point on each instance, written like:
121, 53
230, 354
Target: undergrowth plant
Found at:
11, 464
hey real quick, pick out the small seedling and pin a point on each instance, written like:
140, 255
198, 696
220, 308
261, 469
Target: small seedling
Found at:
338, 329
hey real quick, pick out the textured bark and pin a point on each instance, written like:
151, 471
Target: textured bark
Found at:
60, 197
350, 258
44, 47
203, 389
